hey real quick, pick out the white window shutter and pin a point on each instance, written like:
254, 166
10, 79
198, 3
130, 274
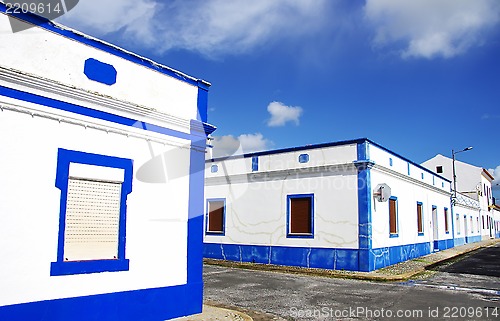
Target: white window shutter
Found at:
92, 220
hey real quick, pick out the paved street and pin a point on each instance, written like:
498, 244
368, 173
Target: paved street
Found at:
440, 295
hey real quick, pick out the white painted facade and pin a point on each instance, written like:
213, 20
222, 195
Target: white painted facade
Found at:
341, 179
472, 182
148, 118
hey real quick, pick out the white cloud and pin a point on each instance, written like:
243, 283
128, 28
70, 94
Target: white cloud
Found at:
496, 174
246, 143
101, 17
211, 27
281, 114
432, 28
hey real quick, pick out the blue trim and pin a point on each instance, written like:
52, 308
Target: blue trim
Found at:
409, 172
116, 51
288, 200
363, 166
444, 244
324, 258
303, 158
84, 111
422, 174
393, 235
195, 225
386, 256
390, 161
255, 163
100, 71
358, 141
223, 232
473, 239
148, 305
214, 169
64, 158
202, 101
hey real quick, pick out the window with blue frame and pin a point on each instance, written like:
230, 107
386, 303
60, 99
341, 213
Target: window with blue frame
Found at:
92, 231
303, 158
216, 216
393, 216
300, 215
255, 163
446, 223
420, 219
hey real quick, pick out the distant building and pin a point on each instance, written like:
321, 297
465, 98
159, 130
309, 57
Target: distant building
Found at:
101, 171
352, 205
473, 182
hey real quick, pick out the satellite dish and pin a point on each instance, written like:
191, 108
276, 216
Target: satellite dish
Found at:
382, 192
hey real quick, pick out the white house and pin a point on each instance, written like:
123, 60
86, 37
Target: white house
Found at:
351, 205
101, 171
473, 182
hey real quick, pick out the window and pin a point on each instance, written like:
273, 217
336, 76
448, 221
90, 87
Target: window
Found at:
216, 212
420, 219
303, 158
478, 226
214, 168
92, 231
300, 215
393, 217
446, 223
255, 163
482, 217
439, 169
471, 226
457, 223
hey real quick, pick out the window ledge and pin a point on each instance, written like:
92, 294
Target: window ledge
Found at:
393, 235
87, 267
299, 235
421, 234
215, 233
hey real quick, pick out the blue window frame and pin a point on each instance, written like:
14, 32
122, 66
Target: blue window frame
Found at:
63, 266
255, 163
420, 218
300, 216
393, 217
303, 158
215, 217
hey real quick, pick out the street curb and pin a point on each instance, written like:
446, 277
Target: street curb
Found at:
377, 276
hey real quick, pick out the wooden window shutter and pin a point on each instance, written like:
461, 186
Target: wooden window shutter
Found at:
393, 216
300, 215
216, 216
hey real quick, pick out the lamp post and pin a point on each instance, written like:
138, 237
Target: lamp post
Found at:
453, 153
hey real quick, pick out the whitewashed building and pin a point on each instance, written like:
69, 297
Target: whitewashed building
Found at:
472, 182
351, 205
101, 171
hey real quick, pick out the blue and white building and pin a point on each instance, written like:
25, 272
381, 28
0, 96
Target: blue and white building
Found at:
352, 205
102, 173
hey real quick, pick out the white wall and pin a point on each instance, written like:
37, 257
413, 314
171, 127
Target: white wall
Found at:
256, 203
30, 136
409, 189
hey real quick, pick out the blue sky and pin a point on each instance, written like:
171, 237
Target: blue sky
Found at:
418, 77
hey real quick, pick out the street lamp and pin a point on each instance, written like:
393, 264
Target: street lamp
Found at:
453, 153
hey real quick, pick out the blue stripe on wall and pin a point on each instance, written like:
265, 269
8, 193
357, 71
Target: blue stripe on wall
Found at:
151, 304
386, 256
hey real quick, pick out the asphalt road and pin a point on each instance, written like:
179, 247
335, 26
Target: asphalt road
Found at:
438, 296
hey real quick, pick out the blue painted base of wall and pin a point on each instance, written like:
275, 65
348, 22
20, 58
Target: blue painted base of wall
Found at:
473, 239
459, 241
323, 258
386, 256
145, 305
444, 244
